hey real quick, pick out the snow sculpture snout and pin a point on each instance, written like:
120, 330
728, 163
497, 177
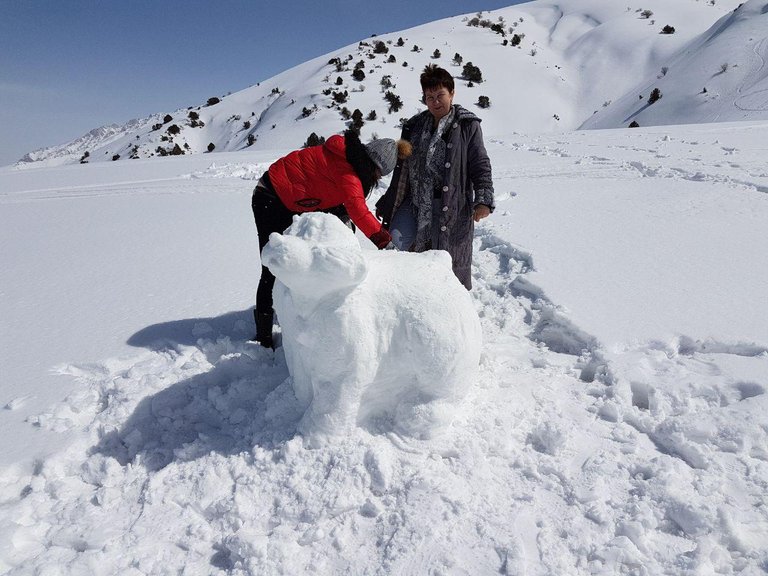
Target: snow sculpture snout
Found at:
386, 341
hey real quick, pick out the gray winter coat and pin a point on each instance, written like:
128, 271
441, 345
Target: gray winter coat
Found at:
466, 182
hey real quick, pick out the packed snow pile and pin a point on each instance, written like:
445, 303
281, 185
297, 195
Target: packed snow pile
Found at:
388, 341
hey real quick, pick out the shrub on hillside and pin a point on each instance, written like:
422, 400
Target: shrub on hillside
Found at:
380, 48
634, 124
167, 118
436, 54
655, 96
358, 75
313, 140
484, 102
212, 101
668, 29
499, 29
337, 63
173, 129
211, 146
340, 97
472, 73
457, 59
395, 103
357, 120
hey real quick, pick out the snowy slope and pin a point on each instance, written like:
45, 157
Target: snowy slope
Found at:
574, 56
720, 76
618, 424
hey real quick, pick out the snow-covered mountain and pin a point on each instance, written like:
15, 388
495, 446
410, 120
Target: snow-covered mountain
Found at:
720, 76
546, 66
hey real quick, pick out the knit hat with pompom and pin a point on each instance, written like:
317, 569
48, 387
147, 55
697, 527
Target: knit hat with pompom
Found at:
385, 152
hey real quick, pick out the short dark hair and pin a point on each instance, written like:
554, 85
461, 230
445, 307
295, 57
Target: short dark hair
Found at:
435, 77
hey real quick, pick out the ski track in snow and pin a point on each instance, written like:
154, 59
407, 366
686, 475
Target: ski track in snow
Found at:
754, 101
566, 459
628, 158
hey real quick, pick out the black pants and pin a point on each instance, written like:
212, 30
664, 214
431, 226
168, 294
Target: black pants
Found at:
270, 215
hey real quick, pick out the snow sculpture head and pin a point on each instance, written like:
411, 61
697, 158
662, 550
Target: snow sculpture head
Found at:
379, 340
317, 254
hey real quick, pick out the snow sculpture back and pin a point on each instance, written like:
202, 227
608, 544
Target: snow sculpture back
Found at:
387, 341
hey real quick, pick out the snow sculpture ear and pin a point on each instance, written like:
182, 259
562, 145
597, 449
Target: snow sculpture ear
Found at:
338, 267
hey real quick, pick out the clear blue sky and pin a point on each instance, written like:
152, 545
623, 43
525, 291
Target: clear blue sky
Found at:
67, 66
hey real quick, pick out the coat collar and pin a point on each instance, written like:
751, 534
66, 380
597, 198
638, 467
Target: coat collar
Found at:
460, 113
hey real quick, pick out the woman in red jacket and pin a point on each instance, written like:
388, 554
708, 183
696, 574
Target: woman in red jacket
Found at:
338, 174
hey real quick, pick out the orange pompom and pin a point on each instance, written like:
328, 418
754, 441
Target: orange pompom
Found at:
404, 149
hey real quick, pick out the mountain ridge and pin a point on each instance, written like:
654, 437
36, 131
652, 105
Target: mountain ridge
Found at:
546, 67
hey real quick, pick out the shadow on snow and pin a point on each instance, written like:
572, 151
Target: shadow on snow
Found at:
244, 400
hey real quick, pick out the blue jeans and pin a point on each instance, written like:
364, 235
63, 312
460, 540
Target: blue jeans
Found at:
403, 227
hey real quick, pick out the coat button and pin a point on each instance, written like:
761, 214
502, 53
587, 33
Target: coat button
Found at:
445, 188
450, 144
455, 124
445, 208
447, 164
443, 228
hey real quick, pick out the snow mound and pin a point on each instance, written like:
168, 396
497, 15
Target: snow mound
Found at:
386, 341
244, 171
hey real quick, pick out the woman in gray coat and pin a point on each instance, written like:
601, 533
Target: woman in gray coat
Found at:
438, 194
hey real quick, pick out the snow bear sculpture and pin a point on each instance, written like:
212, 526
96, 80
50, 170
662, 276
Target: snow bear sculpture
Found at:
387, 341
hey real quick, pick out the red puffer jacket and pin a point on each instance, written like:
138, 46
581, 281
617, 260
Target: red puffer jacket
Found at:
320, 177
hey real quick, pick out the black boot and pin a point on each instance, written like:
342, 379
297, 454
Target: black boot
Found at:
264, 322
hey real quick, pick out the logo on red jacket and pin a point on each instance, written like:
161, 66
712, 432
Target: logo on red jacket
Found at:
308, 202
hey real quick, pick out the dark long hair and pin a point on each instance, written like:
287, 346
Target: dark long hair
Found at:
358, 157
